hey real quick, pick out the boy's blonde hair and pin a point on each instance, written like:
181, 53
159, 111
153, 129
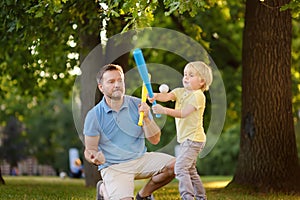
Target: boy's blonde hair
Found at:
204, 71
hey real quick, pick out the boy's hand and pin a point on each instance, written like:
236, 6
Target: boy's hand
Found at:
158, 109
151, 99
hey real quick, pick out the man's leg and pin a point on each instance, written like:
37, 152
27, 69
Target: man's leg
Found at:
118, 182
159, 180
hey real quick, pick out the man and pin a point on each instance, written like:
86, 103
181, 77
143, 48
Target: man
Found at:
115, 142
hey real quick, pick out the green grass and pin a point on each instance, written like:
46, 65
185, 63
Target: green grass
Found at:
52, 188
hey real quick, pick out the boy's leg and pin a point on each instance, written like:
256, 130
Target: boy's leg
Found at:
182, 167
197, 183
196, 180
185, 162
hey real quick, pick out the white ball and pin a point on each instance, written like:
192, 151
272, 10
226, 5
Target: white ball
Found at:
164, 88
62, 175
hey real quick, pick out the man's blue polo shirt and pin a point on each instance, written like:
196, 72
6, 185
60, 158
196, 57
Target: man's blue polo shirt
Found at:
121, 139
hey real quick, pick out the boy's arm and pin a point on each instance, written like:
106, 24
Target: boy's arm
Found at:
162, 97
182, 113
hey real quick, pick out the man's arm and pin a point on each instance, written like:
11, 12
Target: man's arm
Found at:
151, 129
91, 152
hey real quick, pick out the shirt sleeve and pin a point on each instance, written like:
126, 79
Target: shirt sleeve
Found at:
176, 92
91, 124
198, 99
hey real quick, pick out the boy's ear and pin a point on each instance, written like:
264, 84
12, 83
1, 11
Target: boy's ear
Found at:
202, 81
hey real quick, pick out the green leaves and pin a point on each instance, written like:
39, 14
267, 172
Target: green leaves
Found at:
191, 7
136, 14
140, 14
42, 7
294, 6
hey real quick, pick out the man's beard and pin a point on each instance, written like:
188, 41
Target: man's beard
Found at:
116, 95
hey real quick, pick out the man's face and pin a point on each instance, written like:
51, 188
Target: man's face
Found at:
112, 86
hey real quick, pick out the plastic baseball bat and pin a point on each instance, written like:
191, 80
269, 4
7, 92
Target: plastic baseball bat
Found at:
144, 98
143, 71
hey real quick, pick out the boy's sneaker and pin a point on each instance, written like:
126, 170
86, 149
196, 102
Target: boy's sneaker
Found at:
201, 198
98, 195
150, 197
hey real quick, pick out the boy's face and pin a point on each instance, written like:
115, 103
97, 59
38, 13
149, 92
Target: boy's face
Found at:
191, 79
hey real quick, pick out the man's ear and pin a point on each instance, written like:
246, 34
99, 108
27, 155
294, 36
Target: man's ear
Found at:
100, 88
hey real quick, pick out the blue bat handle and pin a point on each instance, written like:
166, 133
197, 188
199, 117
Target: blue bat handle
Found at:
142, 68
141, 64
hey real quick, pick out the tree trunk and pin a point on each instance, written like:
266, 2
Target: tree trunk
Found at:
268, 154
88, 87
2, 182
90, 59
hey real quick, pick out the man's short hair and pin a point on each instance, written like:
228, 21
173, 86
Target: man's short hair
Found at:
105, 68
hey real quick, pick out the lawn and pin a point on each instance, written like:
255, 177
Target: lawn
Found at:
52, 188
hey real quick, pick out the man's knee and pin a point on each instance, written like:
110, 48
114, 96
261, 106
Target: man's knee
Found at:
170, 168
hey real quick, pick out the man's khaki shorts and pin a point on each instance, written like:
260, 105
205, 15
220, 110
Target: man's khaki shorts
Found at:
119, 178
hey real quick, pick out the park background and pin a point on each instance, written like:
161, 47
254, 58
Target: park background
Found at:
255, 46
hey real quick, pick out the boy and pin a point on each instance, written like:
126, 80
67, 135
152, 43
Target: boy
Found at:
188, 113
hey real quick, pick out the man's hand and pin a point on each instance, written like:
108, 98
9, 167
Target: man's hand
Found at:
91, 152
143, 107
96, 158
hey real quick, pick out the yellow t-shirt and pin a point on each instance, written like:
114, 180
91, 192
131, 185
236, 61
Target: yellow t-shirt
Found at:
190, 127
